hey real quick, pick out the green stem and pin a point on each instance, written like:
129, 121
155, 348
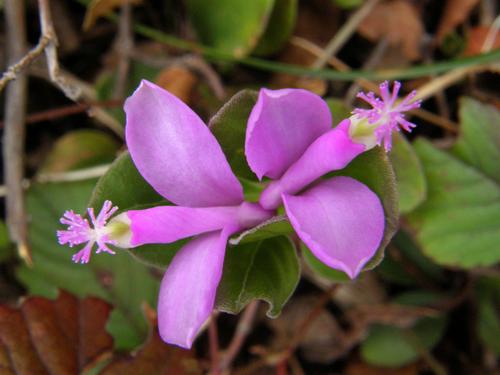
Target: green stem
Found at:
215, 55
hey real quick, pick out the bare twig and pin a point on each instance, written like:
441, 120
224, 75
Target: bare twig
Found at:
78, 175
345, 32
14, 133
242, 330
213, 338
71, 91
124, 43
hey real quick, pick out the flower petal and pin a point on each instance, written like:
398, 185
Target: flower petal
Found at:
189, 286
341, 221
175, 151
166, 224
282, 124
330, 152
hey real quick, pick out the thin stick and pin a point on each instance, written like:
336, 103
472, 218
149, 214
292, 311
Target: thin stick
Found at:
14, 132
345, 32
71, 91
242, 330
213, 337
124, 43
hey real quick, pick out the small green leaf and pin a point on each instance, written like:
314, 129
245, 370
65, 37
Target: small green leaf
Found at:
80, 149
229, 127
123, 185
279, 28
410, 177
389, 346
322, 269
119, 279
488, 317
267, 270
276, 226
233, 26
459, 223
479, 141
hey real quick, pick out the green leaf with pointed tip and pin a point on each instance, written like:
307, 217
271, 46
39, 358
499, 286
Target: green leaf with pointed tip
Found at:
268, 270
233, 26
479, 141
118, 279
80, 149
412, 186
459, 223
229, 127
279, 28
123, 185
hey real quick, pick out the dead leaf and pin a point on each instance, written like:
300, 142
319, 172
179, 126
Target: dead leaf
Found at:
155, 357
179, 80
399, 22
64, 336
360, 368
455, 13
99, 8
476, 38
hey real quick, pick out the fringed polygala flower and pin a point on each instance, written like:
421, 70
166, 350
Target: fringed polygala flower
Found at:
178, 155
290, 139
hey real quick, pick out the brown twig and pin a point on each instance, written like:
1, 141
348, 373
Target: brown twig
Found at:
14, 133
71, 91
124, 43
242, 330
213, 338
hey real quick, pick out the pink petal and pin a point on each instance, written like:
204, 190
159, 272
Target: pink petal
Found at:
282, 124
166, 224
341, 221
330, 152
175, 151
188, 288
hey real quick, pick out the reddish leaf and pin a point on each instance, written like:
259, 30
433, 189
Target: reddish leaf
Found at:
455, 13
155, 357
44, 337
399, 22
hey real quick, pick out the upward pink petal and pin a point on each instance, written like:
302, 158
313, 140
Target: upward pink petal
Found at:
188, 289
282, 124
175, 151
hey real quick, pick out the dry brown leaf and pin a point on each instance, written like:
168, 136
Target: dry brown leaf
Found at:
359, 368
179, 80
65, 336
99, 8
155, 357
455, 13
399, 22
476, 38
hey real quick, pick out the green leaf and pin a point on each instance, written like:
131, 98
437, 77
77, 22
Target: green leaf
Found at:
338, 110
233, 26
80, 149
374, 170
389, 346
488, 317
322, 269
6, 248
410, 177
119, 279
126, 188
123, 185
229, 127
279, 28
459, 223
479, 141
276, 226
348, 4
267, 270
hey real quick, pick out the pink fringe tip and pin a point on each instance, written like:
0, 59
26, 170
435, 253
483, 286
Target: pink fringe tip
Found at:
389, 116
80, 231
